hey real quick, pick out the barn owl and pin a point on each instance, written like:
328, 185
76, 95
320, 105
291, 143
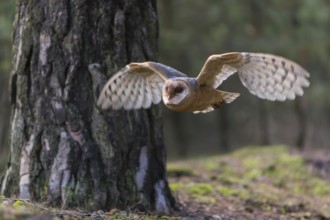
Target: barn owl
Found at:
139, 85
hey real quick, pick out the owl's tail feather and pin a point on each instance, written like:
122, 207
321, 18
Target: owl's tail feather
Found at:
229, 97
224, 97
220, 98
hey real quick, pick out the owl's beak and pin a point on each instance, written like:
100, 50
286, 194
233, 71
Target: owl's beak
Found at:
168, 99
170, 96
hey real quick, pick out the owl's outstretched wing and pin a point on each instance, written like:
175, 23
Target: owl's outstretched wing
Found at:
136, 86
264, 75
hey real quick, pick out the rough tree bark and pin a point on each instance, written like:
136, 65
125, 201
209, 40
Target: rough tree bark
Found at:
63, 149
4, 112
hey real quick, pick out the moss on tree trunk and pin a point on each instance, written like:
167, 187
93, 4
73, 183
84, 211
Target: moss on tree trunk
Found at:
63, 149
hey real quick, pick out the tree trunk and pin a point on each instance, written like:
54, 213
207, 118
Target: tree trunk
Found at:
224, 130
300, 111
4, 112
63, 149
263, 123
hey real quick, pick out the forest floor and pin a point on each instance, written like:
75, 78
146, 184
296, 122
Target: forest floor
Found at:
253, 183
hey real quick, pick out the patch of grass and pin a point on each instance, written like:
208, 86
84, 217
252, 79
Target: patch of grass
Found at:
19, 204
253, 174
199, 189
229, 180
269, 176
266, 182
231, 191
176, 186
20, 209
200, 192
126, 215
320, 187
206, 200
179, 171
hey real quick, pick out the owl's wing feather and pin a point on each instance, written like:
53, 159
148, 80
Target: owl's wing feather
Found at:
272, 77
147, 95
218, 68
139, 95
226, 71
128, 99
205, 110
264, 75
137, 85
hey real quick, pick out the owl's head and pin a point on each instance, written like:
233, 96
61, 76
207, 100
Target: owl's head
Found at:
175, 91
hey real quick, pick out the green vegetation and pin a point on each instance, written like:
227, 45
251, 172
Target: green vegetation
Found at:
268, 176
254, 181
179, 171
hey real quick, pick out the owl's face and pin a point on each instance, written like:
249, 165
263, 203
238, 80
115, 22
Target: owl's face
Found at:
175, 91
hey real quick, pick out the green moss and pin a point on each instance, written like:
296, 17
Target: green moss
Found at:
206, 199
226, 169
19, 204
43, 190
211, 164
126, 215
199, 189
176, 186
290, 160
251, 162
320, 188
260, 150
71, 199
132, 196
270, 176
253, 174
200, 192
233, 191
226, 179
225, 191
179, 171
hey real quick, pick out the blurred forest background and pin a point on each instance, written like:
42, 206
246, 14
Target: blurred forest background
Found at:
190, 31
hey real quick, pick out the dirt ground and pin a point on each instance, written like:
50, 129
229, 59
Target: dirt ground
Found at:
255, 183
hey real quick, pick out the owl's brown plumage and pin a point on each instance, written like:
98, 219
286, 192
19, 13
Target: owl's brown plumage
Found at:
138, 85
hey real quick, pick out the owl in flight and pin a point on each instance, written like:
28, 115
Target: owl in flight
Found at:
139, 85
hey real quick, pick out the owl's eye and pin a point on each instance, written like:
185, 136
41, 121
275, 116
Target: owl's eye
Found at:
178, 89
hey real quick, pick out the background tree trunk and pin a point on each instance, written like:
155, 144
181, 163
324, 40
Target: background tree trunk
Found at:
263, 124
300, 110
224, 130
4, 112
63, 149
